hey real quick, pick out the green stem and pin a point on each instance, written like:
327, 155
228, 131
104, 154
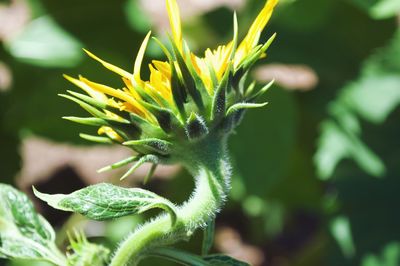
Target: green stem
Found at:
211, 171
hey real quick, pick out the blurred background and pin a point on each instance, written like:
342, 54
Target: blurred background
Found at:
315, 173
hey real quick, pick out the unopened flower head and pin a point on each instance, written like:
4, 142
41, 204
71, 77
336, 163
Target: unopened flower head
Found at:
186, 97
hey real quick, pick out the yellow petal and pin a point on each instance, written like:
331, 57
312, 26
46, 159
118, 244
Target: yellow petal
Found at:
93, 93
261, 21
109, 66
175, 22
110, 133
253, 36
139, 59
115, 93
163, 67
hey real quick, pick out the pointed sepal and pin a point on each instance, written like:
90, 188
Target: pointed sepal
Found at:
96, 139
187, 78
118, 164
150, 158
196, 127
219, 101
151, 145
242, 106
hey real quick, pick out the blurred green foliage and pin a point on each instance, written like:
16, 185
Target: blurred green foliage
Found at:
302, 187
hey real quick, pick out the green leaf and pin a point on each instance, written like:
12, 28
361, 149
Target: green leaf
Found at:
379, 9
105, 201
336, 144
373, 97
385, 9
223, 260
44, 43
390, 256
23, 233
208, 238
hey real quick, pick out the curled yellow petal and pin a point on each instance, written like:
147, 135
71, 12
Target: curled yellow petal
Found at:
139, 59
175, 22
110, 133
109, 66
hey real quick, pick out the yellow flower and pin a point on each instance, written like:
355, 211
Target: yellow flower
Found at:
187, 95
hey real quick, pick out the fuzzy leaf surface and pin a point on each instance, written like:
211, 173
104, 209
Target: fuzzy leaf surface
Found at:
105, 201
24, 234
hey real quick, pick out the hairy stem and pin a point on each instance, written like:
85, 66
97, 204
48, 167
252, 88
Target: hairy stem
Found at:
211, 171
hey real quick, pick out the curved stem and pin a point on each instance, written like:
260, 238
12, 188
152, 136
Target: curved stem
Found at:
211, 175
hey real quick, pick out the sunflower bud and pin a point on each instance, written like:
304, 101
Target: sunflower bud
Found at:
185, 99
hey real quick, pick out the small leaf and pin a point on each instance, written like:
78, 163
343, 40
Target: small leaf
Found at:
208, 238
105, 201
241, 106
223, 260
23, 233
